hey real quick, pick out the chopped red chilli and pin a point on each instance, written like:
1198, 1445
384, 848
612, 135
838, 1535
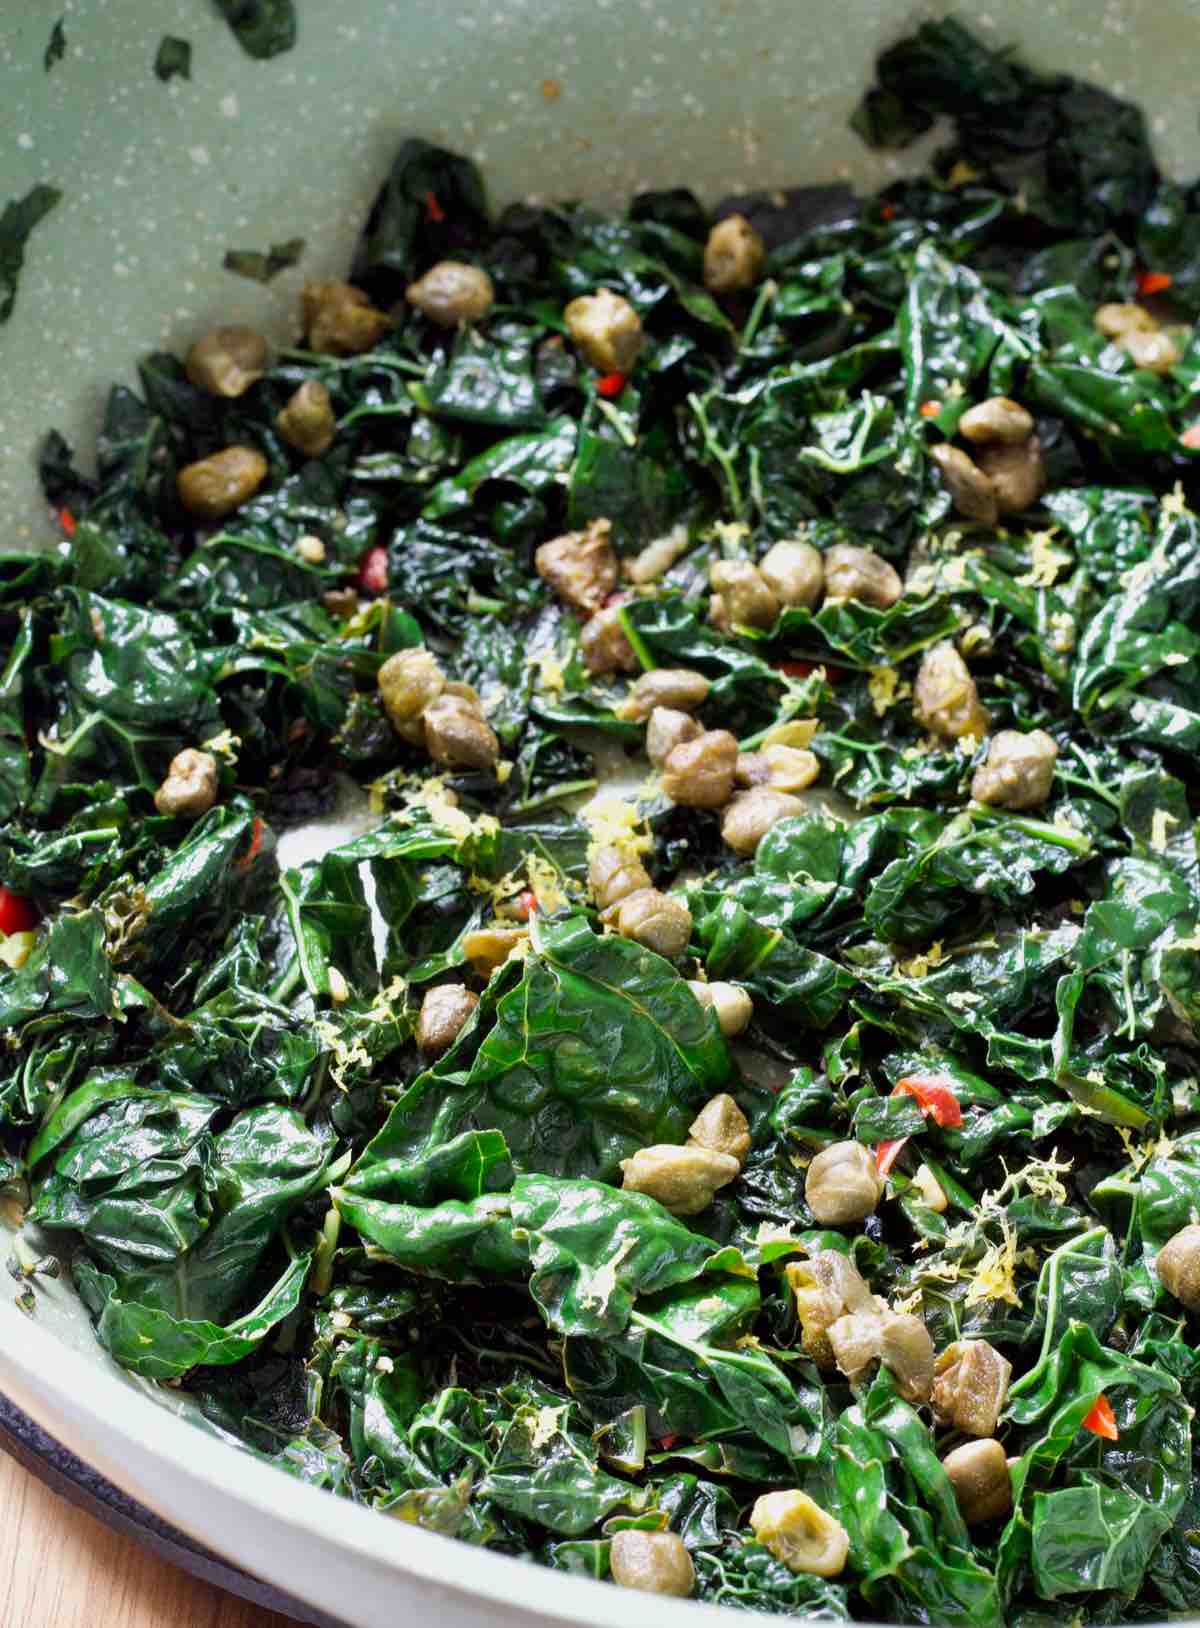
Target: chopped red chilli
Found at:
934, 1097
255, 848
1101, 1420
373, 571
17, 915
434, 212
886, 1153
1153, 282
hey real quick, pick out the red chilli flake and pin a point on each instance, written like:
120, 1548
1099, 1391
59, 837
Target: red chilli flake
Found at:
255, 848
887, 211
1153, 282
1101, 1420
526, 904
934, 1098
886, 1153
434, 213
668, 1441
929, 409
1191, 437
66, 521
17, 915
610, 385
373, 571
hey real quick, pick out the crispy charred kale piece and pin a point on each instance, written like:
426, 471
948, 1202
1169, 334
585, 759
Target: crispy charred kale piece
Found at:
417, 1280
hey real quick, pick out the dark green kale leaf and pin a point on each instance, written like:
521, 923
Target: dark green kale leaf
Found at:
596, 1047
1092, 1512
431, 207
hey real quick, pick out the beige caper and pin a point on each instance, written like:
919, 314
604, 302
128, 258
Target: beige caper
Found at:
310, 549
982, 1480
794, 571
843, 1184
752, 769
580, 566
607, 329
457, 735
741, 596
1178, 1266
215, 486
444, 1011
731, 1005
682, 1179
855, 1341
800, 1533
613, 874
190, 788
604, 645
970, 1386
339, 319
667, 729
227, 361
906, 1348
677, 687
657, 558
1018, 771
751, 814
971, 490
1155, 352
999, 418
656, 1562
340, 602
788, 768
655, 920
1017, 473
408, 682
699, 773
733, 256
721, 1125
487, 948
827, 1287
307, 421
452, 292
1115, 320
858, 573
945, 700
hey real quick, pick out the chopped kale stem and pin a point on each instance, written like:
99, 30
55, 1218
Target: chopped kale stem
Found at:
770, 1172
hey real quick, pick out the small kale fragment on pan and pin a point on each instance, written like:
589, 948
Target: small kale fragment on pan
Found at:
263, 28
17, 222
772, 1179
56, 45
261, 267
173, 57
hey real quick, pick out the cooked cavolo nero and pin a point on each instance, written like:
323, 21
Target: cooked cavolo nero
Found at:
728, 1121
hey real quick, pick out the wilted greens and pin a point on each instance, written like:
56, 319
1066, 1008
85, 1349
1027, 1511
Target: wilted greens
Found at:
411, 1273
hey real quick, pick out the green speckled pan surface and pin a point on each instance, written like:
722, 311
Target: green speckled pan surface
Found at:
159, 180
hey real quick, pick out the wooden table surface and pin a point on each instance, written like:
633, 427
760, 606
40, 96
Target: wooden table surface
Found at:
60, 1568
